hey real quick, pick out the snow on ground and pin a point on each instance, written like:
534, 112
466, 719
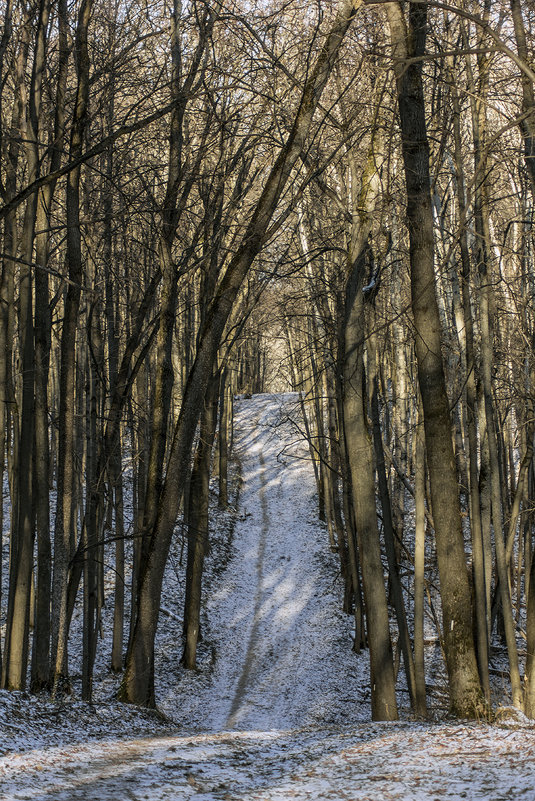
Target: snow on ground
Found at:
280, 646
279, 708
371, 762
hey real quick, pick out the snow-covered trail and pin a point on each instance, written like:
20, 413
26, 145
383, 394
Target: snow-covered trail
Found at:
282, 710
373, 762
291, 626
282, 645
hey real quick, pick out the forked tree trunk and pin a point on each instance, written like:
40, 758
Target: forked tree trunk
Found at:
171, 213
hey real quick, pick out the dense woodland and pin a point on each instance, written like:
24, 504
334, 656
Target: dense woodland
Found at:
212, 197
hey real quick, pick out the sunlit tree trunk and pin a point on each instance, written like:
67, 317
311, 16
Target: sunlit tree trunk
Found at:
479, 552
483, 249
419, 562
408, 39
359, 446
16, 655
417, 700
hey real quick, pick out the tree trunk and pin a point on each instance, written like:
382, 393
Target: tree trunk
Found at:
224, 415
527, 124
41, 641
404, 639
16, 651
479, 555
419, 563
199, 499
64, 528
409, 47
483, 250
360, 451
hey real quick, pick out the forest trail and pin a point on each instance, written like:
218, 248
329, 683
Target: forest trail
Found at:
282, 646
283, 711
276, 543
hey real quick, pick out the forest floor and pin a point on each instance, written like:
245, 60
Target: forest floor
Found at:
279, 706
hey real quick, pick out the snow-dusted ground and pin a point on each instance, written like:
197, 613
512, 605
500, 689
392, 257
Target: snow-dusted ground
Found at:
280, 646
279, 708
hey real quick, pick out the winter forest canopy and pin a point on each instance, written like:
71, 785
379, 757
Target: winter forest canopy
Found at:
204, 199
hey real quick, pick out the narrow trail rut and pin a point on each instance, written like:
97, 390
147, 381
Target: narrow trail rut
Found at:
252, 647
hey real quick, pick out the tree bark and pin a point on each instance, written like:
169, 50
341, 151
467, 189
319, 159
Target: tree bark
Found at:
479, 552
16, 654
404, 640
224, 420
409, 46
419, 563
359, 446
199, 499
63, 532
40, 677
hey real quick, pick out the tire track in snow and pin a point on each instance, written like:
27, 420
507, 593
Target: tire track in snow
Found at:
254, 637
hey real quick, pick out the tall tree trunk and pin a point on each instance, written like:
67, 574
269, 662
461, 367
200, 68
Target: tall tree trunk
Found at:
479, 552
408, 41
41, 642
404, 640
359, 446
199, 498
483, 249
16, 655
9, 185
91, 528
66, 473
527, 127
171, 213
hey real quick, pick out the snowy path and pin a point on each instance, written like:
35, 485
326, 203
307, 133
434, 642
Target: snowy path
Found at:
293, 626
282, 646
374, 762
282, 710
